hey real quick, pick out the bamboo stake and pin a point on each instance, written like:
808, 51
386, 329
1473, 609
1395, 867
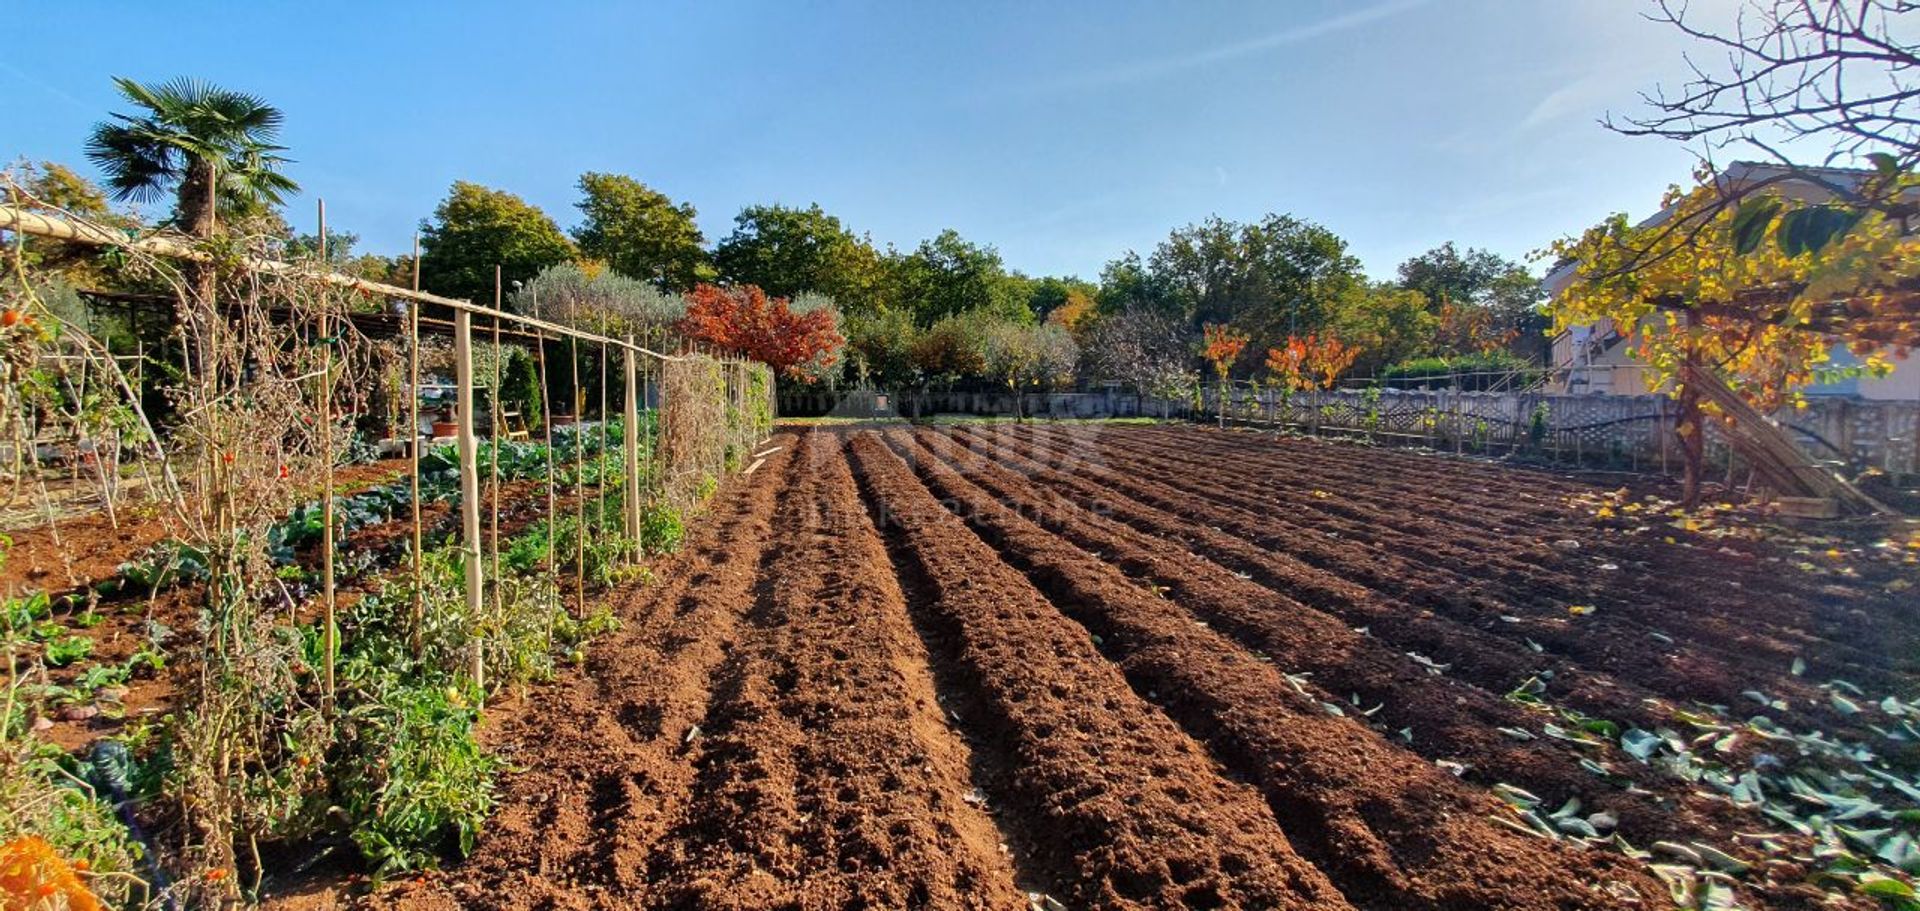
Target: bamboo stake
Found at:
469, 486
329, 636
631, 439
600, 461
579, 484
413, 447
493, 469
546, 421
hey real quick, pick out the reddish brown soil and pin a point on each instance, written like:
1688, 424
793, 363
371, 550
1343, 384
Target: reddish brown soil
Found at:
1134, 668
120, 624
88, 548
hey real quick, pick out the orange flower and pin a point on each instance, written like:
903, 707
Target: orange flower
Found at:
32, 873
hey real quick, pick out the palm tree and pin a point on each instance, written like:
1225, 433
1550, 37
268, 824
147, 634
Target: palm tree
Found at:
211, 147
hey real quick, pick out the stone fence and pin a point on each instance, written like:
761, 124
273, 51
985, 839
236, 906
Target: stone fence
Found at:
1633, 432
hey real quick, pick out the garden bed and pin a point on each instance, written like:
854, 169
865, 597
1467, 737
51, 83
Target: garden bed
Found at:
1156, 667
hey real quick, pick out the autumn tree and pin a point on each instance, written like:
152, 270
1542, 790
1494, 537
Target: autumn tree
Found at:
1287, 365
59, 190
1074, 310
1221, 346
1757, 279
639, 232
745, 321
1758, 294
1310, 362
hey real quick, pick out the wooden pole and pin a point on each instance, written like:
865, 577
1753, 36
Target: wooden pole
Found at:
546, 421
493, 434
631, 438
329, 637
600, 460
413, 447
579, 483
469, 486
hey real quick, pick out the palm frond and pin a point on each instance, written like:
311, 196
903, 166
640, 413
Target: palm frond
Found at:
136, 166
189, 119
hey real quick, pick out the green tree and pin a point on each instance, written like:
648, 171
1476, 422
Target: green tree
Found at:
1127, 286
1388, 323
210, 148
787, 251
1509, 296
949, 275
1050, 293
880, 348
640, 232
600, 300
476, 228
1272, 279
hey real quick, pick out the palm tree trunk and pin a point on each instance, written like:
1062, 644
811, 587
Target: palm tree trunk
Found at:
197, 218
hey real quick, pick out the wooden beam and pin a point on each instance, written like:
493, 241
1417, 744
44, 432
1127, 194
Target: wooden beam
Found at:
13, 218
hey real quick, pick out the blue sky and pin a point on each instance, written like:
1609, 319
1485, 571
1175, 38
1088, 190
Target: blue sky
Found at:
1063, 134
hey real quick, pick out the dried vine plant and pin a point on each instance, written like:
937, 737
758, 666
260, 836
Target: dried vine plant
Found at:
243, 445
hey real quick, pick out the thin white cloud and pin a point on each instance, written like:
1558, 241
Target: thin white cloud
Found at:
1153, 69
1588, 96
43, 85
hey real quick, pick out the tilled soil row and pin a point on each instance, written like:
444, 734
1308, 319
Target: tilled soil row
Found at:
830, 778
1489, 661
1392, 831
1597, 643
1134, 814
1477, 584
603, 766
1834, 625
1451, 491
1443, 718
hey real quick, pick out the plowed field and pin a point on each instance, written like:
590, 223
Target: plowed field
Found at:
1002, 667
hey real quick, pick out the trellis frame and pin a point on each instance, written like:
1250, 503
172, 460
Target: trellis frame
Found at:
25, 222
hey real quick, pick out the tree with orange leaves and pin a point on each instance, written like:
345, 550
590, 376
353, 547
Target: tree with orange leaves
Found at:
745, 321
1327, 357
1221, 345
1288, 364
1312, 362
